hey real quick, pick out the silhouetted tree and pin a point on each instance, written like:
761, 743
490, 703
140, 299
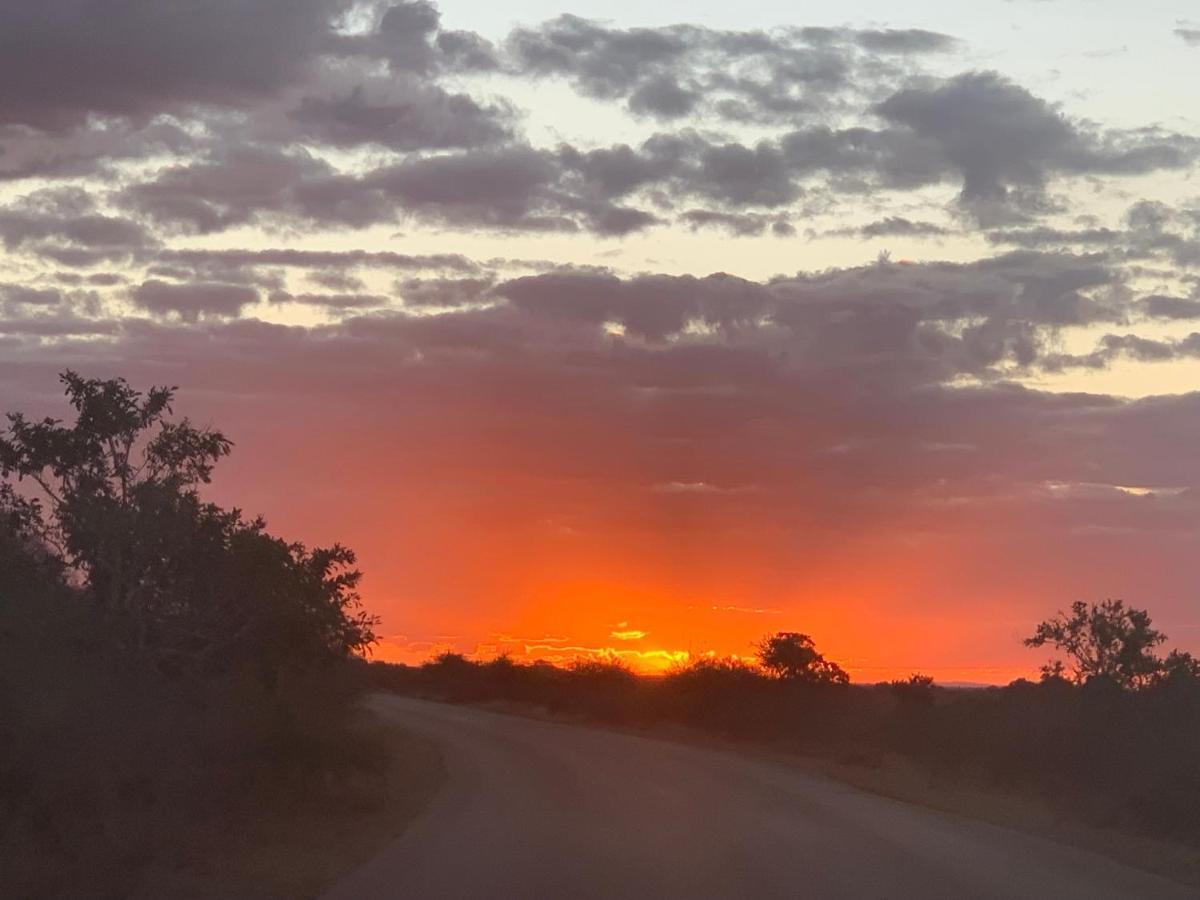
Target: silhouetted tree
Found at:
792, 656
173, 579
1101, 640
1179, 667
916, 690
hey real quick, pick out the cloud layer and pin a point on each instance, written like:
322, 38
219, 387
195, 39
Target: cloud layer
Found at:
211, 195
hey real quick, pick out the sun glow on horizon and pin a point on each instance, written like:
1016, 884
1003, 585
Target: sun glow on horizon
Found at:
659, 661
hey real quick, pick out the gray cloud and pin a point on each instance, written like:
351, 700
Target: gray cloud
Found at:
337, 260
895, 226
191, 301
64, 225
1006, 142
740, 224
400, 114
62, 60
677, 70
241, 184
904, 40
1159, 306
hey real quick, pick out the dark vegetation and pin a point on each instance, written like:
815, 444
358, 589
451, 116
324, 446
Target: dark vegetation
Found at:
1110, 735
170, 672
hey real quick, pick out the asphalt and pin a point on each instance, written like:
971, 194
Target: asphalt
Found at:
534, 809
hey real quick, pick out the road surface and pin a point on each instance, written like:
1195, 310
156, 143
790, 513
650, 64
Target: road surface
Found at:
534, 809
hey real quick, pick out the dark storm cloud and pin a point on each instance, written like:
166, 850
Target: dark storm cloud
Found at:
1190, 36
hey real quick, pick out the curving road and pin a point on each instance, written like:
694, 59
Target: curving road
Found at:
534, 809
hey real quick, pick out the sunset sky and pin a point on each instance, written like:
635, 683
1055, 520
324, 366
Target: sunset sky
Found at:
642, 328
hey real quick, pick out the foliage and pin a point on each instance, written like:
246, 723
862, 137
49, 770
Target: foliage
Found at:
173, 580
1102, 640
917, 690
1179, 668
794, 657
114, 572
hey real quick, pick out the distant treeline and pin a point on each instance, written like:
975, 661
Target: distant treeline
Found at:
1112, 734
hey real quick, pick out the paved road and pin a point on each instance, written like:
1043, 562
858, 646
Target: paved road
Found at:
534, 809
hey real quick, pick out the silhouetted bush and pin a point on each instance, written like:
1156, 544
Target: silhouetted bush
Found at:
166, 666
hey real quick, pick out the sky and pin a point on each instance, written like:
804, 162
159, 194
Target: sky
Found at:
644, 330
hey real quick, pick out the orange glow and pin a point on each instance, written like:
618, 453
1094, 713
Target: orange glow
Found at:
467, 548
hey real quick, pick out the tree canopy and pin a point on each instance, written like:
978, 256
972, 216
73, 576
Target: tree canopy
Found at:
792, 656
1109, 640
114, 499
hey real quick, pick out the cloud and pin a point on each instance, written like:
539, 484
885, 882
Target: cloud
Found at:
205, 260
64, 225
410, 37
894, 226
406, 114
759, 445
720, 381
628, 635
233, 186
62, 60
1006, 142
740, 224
905, 40
1158, 306
874, 412
671, 72
191, 301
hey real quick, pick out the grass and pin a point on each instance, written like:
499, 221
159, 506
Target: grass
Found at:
292, 849
287, 831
